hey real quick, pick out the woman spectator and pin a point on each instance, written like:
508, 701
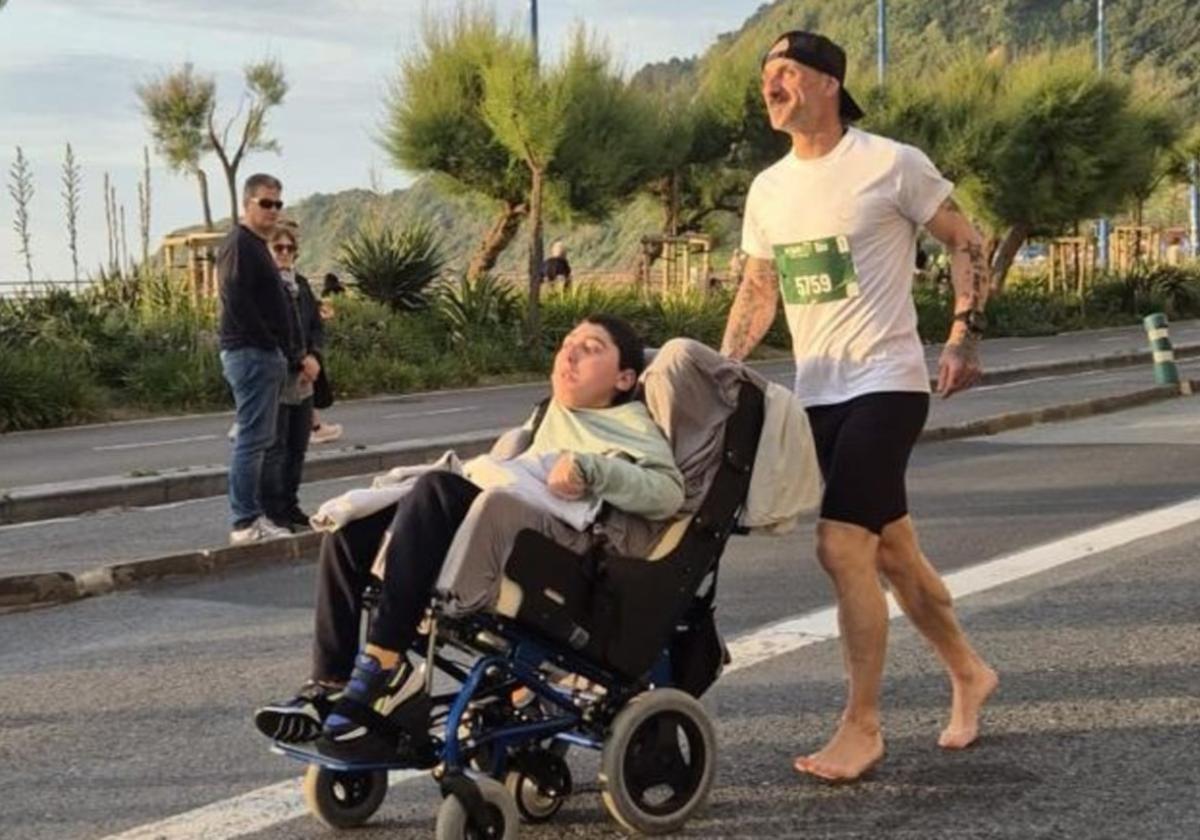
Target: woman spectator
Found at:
283, 466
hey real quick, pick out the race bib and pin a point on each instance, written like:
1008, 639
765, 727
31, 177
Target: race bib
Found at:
817, 271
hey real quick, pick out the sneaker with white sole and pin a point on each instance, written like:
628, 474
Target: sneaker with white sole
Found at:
325, 433
298, 720
259, 530
382, 716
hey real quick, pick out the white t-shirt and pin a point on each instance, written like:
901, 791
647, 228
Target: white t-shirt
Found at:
842, 231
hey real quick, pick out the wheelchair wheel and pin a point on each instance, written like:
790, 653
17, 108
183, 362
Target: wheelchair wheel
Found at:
454, 823
658, 762
540, 787
343, 800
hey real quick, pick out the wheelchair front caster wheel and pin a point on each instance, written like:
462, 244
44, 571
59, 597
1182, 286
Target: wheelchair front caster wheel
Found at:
500, 813
344, 800
540, 786
658, 761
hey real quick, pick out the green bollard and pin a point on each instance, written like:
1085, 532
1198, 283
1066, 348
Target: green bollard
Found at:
1165, 371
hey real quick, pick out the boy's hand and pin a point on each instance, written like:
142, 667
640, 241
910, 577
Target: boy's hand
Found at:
566, 479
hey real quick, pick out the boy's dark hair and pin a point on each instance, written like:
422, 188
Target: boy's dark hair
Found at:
631, 347
258, 181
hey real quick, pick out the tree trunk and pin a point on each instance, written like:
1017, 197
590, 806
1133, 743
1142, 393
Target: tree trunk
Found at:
534, 315
231, 180
671, 222
1006, 252
497, 239
202, 180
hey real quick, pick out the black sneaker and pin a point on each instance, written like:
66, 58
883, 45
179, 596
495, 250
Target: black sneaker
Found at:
294, 521
382, 717
297, 520
298, 720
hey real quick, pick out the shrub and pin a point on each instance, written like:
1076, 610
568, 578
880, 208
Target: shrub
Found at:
177, 380
478, 310
44, 387
394, 268
686, 313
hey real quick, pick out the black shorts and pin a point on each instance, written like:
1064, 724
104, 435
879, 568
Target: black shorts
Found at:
863, 447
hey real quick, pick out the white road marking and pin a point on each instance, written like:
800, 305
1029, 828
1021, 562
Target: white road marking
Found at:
1113, 339
1018, 383
436, 412
1029, 349
147, 444
260, 809
16, 526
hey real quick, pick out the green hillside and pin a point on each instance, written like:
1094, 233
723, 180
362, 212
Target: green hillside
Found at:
1159, 36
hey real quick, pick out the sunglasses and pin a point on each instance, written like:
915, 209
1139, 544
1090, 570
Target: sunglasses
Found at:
270, 204
284, 249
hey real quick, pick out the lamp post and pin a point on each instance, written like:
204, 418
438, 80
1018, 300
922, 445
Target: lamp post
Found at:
1194, 206
533, 27
1102, 228
881, 35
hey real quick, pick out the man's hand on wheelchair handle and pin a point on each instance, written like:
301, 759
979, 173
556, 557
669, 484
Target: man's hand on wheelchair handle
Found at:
566, 479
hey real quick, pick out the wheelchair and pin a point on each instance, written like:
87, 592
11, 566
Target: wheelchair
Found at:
597, 651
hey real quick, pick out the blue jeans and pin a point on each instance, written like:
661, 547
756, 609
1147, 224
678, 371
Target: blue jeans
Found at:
256, 377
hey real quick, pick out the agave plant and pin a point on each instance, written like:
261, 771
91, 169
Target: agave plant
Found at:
394, 267
471, 306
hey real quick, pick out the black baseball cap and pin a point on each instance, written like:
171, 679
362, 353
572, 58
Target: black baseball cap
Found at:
819, 53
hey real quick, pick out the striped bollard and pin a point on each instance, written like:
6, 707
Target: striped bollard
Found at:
1165, 371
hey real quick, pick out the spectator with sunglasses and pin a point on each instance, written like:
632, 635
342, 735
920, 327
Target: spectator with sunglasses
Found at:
256, 340
283, 465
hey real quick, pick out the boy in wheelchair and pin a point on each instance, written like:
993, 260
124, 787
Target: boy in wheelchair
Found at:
592, 446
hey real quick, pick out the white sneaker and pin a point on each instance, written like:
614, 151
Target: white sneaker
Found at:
259, 530
326, 433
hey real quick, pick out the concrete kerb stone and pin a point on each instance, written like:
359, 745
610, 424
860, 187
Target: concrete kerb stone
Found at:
1053, 414
24, 591
18, 591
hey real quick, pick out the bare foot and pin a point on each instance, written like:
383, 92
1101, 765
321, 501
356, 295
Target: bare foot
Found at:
968, 699
852, 752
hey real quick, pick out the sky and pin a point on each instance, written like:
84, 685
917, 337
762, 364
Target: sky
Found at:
68, 69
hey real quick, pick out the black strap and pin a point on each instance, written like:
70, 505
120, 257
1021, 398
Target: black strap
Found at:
539, 414
355, 711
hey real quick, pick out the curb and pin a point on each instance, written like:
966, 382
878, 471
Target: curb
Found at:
25, 591
19, 592
49, 501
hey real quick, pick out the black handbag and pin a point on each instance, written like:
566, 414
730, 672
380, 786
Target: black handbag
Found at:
322, 390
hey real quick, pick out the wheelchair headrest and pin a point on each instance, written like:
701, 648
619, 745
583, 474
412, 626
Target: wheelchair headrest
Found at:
691, 390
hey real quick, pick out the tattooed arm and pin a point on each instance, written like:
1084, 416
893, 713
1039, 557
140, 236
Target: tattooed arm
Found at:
959, 367
753, 309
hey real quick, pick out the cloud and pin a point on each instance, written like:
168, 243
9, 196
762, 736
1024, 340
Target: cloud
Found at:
362, 22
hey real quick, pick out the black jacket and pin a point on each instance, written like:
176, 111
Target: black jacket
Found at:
254, 304
307, 321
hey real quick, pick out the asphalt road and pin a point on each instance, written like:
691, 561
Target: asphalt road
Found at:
79, 543
126, 710
141, 447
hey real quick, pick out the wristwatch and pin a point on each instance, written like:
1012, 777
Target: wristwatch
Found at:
976, 322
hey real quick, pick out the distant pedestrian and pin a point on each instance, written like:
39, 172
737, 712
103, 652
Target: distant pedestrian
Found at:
323, 432
557, 266
255, 331
283, 467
